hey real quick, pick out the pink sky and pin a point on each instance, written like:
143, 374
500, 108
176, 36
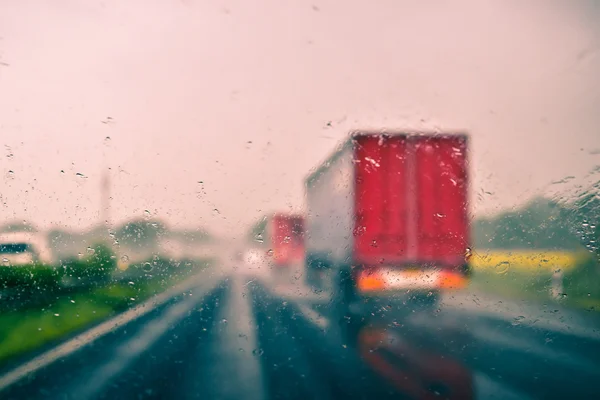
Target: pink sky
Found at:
238, 95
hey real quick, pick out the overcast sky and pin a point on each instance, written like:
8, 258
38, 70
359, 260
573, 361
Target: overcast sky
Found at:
247, 96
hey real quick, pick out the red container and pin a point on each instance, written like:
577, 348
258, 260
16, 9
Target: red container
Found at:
287, 239
392, 202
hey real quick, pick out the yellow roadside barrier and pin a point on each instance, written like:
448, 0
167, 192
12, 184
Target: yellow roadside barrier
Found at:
523, 260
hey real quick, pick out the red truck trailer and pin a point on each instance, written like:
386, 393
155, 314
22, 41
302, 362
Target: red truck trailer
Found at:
286, 237
282, 237
388, 218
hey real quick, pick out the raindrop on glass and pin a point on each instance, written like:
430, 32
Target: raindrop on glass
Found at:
258, 352
502, 267
147, 267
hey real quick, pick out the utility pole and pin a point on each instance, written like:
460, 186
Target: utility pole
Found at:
105, 198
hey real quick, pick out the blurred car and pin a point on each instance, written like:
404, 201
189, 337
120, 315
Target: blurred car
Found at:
21, 248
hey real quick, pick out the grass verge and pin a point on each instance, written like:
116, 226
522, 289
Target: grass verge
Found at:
25, 330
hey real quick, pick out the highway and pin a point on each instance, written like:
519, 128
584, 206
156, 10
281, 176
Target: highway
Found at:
228, 334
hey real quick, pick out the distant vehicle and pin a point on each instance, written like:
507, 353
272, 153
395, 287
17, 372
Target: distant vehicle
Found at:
254, 258
387, 218
282, 238
21, 248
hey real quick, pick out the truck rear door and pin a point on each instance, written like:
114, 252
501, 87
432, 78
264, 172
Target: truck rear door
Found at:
441, 193
411, 222
380, 200
297, 239
288, 239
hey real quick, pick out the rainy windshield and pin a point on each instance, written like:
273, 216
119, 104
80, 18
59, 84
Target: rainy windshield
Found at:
299, 199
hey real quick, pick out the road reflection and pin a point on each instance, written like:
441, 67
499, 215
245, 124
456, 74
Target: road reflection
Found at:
414, 369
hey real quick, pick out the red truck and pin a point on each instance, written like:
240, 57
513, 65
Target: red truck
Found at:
388, 219
282, 236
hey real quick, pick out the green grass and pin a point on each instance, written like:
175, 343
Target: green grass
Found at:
25, 330
21, 332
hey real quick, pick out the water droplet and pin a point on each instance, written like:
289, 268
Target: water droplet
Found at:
90, 250
374, 243
6, 262
56, 314
124, 258
372, 161
258, 352
80, 175
259, 238
73, 301
132, 298
224, 321
147, 213
564, 295
62, 171
270, 252
131, 283
502, 267
147, 267
468, 253
517, 320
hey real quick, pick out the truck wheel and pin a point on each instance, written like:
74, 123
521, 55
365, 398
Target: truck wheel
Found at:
311, 278
344, 295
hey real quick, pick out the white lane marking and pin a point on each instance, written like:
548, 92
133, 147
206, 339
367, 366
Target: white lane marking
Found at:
91, 335
298, 293
127, 352
563, 321
239, 345
314, 316
485, 387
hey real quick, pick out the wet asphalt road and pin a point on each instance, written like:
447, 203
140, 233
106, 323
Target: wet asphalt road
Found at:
236, 337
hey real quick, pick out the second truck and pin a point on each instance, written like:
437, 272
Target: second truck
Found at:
281, 236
